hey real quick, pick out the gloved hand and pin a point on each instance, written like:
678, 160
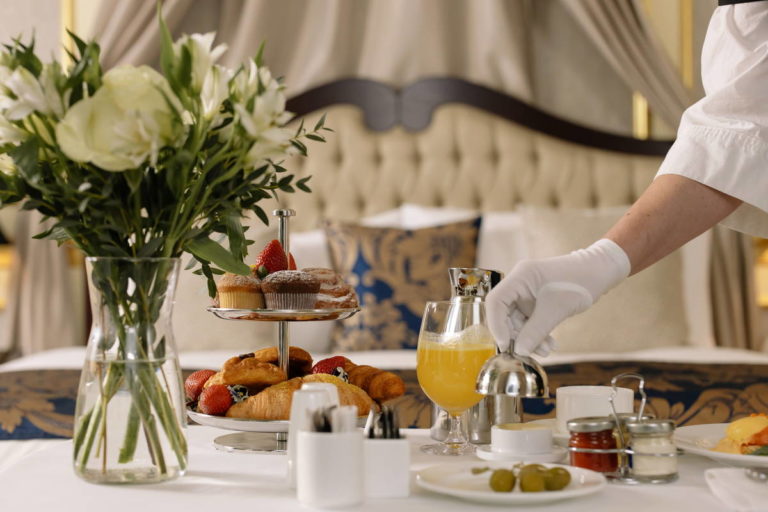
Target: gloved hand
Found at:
537, 295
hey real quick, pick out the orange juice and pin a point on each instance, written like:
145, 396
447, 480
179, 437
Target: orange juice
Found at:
447, 372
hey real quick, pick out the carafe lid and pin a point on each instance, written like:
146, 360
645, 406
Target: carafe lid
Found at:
473, 282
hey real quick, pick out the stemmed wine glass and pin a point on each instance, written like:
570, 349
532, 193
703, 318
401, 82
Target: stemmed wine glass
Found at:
454, 342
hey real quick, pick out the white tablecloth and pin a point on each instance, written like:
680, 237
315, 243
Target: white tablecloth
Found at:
37, 476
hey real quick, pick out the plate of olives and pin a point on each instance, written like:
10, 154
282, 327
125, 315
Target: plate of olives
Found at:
507, 484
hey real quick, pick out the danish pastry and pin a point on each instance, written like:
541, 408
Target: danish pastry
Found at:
299, 360
249, 372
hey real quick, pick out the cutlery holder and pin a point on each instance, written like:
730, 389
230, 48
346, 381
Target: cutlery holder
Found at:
329, 471
387, 468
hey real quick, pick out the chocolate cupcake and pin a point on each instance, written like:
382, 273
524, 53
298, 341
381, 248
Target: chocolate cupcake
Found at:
290, 289
240, 292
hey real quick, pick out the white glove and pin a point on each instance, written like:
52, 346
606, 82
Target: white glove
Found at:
537, 295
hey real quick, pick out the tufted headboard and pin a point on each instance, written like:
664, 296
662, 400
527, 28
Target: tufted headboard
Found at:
437, 142
448, 142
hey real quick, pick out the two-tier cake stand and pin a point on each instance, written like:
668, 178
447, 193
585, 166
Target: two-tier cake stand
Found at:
257, 435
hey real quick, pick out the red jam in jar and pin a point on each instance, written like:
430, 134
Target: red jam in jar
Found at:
593, 433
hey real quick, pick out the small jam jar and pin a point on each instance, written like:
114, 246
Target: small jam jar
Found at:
654, 454
593, 433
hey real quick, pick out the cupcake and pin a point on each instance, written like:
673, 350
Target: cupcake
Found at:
240, 292
290, 289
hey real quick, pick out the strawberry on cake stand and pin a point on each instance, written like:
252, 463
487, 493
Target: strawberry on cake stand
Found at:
260, 435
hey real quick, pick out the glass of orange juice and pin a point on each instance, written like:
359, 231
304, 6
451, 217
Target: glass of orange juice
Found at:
454, 343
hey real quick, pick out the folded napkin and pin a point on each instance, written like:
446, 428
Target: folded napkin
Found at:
736, 491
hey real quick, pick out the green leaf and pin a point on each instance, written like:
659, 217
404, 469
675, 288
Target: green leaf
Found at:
151, 248
25, 158
261, 214
300, 146
166, 45
763, 450
318, 138
235, 234
302, 184
206, 249
320, 123
259, 59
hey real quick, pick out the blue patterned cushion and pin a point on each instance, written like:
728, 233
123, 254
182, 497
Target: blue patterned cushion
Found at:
395, 272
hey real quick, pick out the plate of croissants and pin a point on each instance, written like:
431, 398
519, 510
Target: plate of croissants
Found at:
250, 392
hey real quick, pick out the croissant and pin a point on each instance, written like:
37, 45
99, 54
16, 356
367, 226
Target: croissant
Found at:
247, 371
380, 385
274, 403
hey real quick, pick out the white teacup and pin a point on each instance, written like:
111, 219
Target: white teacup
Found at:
580, 401
521, 439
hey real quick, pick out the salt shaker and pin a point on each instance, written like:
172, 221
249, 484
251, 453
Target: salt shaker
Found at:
653, 455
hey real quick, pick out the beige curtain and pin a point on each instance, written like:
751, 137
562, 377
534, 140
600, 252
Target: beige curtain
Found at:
736, 315
619, 30
41, 314
312, 42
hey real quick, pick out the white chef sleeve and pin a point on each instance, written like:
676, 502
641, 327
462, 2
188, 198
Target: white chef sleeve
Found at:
722, 140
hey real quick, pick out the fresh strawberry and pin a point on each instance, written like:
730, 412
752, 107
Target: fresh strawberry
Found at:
291, 262
330, 364
272, 259
215, 400
194, 383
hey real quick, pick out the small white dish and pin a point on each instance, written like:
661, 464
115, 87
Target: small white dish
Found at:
458, 481
485, 452
700, 439
560, 438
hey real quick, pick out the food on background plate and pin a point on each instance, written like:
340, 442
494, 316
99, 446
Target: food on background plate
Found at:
299, 360
274, 403
290, 289
532, 478
381, 385
334, 292
746, 436
193, 385
248, 378
239, 292
247, 371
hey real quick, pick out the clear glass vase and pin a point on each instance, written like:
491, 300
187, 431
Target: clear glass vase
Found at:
130, 419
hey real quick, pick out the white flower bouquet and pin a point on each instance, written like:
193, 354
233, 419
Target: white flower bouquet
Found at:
137, 167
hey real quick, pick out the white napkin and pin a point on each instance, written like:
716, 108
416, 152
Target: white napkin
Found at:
736, 491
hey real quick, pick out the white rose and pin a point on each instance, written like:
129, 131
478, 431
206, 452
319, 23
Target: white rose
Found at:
20, 94
203, 57
7, 165
55, 101
125, 123
268, 108
9, 133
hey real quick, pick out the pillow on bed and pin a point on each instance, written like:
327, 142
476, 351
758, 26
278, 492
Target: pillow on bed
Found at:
645, 311
395, 272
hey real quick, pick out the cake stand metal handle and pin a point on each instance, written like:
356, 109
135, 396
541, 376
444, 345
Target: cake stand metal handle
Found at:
283, 336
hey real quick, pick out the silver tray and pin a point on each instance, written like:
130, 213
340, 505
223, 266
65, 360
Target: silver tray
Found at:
284, 315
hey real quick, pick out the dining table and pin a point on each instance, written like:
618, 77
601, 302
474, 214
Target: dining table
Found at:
37, 475
37, 402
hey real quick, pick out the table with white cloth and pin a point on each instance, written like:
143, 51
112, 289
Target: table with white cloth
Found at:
37, 476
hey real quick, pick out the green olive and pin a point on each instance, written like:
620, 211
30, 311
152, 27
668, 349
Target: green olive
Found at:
556, 478
502, 480
532, 468
532, 482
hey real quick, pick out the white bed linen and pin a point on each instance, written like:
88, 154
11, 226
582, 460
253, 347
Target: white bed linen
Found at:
217, 480
72, 358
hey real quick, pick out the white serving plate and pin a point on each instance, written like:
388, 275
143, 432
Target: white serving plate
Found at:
238, 424
284, 315
700, 439
485, 452
457, 480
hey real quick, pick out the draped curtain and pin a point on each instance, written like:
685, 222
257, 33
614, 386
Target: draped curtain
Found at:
620, 31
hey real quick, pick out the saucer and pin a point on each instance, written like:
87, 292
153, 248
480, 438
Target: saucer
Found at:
559, 438
556, 455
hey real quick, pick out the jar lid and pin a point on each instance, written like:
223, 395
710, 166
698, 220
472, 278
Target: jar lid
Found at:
650, 427
591, 424
624, 417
